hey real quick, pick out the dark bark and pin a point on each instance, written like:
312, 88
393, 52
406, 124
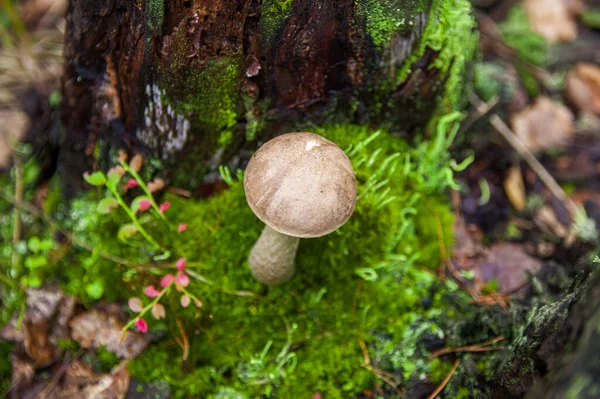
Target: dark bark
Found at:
199, 83
555, 356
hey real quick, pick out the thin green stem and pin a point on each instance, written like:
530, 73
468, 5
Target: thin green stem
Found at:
134, 218
147, 308
186, 292
203, 279
144, 188
9, 282
17, 227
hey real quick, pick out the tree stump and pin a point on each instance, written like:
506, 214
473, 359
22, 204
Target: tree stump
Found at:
194, 84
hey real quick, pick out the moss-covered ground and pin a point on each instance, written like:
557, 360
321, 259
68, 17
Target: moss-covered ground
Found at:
366, 293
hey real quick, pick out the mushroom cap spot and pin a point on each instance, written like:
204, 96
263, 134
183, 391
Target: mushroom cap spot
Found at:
301, 185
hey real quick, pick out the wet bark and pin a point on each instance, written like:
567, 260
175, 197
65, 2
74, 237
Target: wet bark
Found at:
195, 84
555, 357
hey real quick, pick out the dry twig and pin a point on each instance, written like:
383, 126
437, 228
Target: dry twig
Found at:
531, 160
17, 230
441, 387
185, 342
482, 347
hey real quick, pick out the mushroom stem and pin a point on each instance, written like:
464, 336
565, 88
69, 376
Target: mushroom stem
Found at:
272, 259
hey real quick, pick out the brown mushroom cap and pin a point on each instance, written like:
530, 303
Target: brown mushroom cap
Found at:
301, 185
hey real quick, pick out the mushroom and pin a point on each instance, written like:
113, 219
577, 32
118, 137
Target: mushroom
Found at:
300, 185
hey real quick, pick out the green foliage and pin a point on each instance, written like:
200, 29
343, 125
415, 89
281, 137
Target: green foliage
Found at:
517, 33
591, 17
26, 262
246, 336
373, 280
11, 21
5, 366
214, 109
386, 18
487, 78
95, 179
105, 360
449, 31
273, 13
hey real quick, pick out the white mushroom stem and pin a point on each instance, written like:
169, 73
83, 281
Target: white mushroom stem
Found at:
272, 259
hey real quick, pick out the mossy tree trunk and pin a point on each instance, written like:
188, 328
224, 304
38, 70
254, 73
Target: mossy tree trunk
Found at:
199, 83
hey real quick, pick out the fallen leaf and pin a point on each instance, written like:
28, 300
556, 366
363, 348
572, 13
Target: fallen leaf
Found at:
467, 241
583, 87
114, 385
23, 374
543, 125
509, 264
77, 379
96, 327
44, 323
554, 19
546, 218
515, 188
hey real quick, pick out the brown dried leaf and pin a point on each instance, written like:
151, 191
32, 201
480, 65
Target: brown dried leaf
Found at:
185, 301
110, 386
135, 304
95, 328
583, 87
156, 185
23, 376
136, 163
554, 19
546, 218
467, 243
515, 188
158, 311
117, 169
508, 263
80, 381
44, 323
543, 125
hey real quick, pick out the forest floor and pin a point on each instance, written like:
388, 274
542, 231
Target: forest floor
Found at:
524, 218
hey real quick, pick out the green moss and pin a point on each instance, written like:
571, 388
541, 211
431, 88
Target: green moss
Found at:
518, 34
208, 94
487, 80
105, 359
385, 18
591, 17
273, 13
450, 32
242, 343
155, 15
373, 280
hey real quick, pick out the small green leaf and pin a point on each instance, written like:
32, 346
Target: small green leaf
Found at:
106, 205
95, 290
164, 256
135, 204
367, 273
31, 281
35, 262
95, 179
46, 245
113, 180
126, 231
591, 18
33, 244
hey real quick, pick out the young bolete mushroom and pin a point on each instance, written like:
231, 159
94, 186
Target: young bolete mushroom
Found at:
300, 185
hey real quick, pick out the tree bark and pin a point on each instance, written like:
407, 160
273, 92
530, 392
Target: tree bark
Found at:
198, 83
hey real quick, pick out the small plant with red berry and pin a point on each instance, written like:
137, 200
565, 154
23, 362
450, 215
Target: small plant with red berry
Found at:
118, 181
